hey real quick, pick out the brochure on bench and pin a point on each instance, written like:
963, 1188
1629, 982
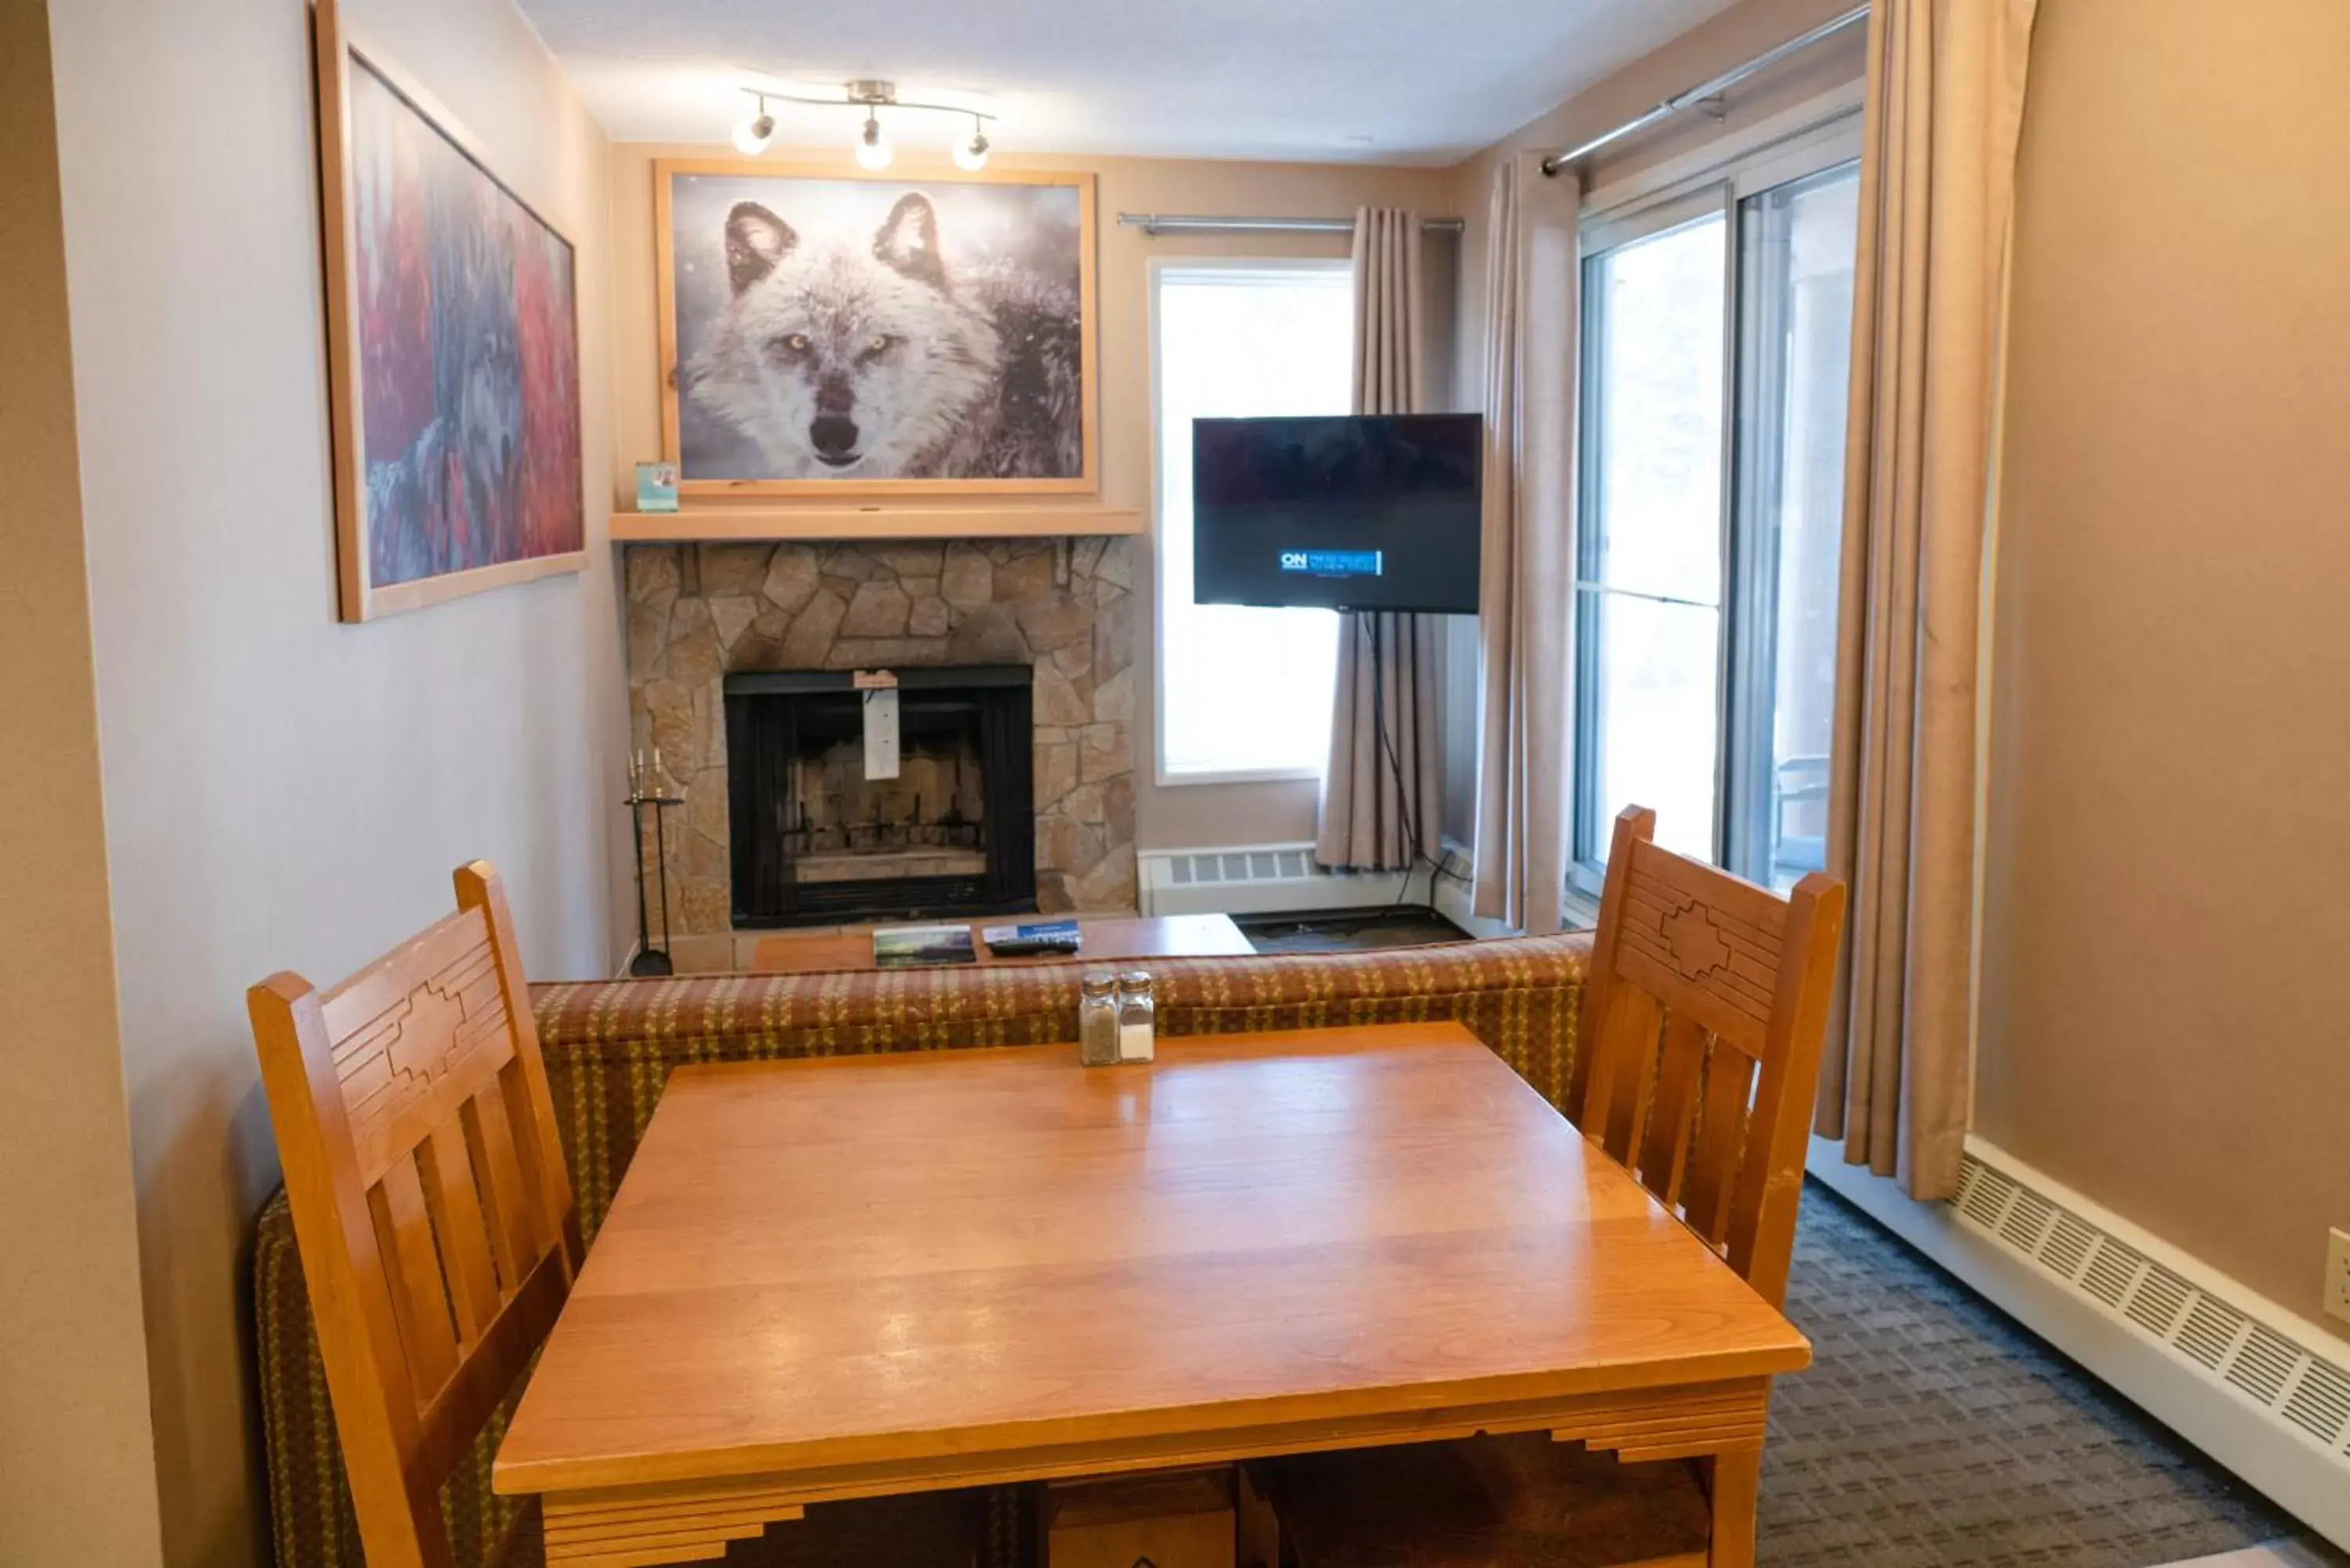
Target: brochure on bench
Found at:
1037, 937
910, 947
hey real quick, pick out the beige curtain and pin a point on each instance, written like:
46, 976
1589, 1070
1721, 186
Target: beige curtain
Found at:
1532, 312
1382, 806
1945, 106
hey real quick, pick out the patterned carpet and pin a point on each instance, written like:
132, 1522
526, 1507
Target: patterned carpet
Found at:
1931, 1432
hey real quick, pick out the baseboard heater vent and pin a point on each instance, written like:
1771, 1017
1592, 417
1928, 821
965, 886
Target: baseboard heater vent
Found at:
1240, 866
2275, 1370
1258, 878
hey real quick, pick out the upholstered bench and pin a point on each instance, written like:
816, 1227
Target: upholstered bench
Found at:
609, 1046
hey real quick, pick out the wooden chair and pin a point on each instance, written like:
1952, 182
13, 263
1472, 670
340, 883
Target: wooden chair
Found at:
1712, 1112
434, 1215
1704, 1014
436, 1224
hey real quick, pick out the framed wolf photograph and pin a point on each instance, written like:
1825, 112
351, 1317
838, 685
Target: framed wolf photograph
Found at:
829, 332
453, 350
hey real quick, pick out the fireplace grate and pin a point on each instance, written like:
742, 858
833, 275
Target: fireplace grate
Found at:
893, 898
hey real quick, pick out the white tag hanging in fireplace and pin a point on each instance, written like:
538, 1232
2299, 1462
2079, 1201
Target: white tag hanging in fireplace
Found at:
880, 689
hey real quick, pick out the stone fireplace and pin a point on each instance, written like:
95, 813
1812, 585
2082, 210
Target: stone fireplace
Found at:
698, 614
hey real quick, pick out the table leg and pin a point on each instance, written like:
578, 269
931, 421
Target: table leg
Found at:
1735, 1488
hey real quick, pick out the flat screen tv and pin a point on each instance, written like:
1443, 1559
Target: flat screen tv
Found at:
1363, 512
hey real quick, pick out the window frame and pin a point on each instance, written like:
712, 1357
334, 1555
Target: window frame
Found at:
1747, 613
1156, 271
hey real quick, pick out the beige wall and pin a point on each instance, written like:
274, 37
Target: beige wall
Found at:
2162, 1019
280, 790
1189, 814
77, 1467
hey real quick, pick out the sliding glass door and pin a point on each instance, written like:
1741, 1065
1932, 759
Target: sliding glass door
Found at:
1795, 346
1716, 333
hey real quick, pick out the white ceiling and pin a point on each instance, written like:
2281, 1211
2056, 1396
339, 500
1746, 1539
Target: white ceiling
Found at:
1422, 81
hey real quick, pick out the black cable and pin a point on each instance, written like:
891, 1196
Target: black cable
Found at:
1395, 763
1407, 805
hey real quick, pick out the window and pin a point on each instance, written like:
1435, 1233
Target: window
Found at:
1717, 327
1242, 692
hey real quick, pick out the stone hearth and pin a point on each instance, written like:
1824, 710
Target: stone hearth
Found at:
699, 612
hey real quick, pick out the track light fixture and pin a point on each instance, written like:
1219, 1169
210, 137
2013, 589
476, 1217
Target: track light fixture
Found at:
756, 133
973, 154
753, 135
873, 149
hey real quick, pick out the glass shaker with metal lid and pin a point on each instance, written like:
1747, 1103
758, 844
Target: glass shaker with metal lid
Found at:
1098, 1020
1138, 1017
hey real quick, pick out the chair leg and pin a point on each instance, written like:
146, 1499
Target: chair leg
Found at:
1734, 1487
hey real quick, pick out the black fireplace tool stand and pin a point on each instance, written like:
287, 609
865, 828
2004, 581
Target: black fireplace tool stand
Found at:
651, 959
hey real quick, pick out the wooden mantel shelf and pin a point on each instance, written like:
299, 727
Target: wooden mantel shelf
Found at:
693, 524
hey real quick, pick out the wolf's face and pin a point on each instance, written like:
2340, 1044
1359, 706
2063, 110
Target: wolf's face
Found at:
848, 359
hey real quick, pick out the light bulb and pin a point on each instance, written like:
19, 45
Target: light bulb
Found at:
873, 149
971, 155
753, 134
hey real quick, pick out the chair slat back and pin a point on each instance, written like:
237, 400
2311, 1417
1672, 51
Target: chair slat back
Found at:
1705, 1012
435, 1218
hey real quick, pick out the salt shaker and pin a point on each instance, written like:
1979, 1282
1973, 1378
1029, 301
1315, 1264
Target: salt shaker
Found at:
1097, 1020
1138, 1017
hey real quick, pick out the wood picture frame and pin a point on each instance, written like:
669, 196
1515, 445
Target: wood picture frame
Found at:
1032, 352
452, 350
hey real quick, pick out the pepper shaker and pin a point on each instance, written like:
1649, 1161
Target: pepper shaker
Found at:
1097, 1020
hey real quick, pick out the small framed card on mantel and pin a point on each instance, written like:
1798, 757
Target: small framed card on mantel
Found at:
656, 487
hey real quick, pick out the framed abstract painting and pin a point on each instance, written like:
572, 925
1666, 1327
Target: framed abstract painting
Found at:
827, 332
453, 350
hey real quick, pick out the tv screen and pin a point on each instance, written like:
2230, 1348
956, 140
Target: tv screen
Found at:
1357, 511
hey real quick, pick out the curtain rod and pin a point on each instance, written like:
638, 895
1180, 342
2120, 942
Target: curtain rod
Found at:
1165, 223
1704, 90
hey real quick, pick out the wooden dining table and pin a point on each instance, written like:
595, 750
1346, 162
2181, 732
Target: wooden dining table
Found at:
868, 1276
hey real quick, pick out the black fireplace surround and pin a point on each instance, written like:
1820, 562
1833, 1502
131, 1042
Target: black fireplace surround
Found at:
780, 722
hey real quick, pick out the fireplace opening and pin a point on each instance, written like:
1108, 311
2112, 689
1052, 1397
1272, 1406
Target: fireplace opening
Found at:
816, 841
